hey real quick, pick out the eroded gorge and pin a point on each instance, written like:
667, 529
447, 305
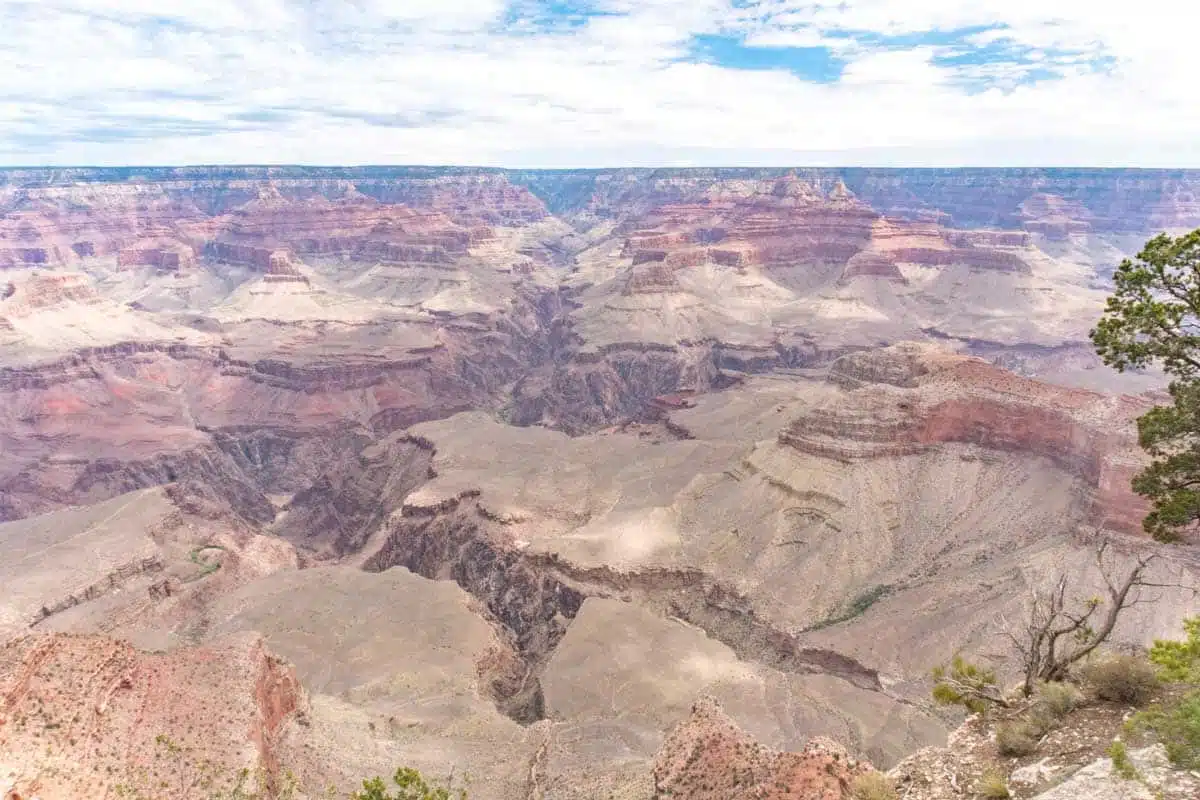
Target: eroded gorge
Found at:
501, 471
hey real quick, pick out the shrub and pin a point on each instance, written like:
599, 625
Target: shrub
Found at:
1038, 721
1177, 727
993, 784
965, 684
1121, 763
1179, 661
873, 786
1059, 699
410, 785
1016, 738
1122, 679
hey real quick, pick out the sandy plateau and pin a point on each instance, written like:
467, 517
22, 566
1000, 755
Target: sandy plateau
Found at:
615, 484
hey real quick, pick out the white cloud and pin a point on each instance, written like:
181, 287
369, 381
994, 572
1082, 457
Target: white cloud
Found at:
454, 81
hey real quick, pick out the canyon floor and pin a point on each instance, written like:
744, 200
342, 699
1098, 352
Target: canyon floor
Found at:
307, 474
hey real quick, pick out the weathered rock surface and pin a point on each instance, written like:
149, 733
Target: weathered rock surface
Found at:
1158, 780
86, 716
136, 565
908, 398
708, 757
1070, 763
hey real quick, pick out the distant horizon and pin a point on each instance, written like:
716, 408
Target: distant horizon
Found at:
611, 168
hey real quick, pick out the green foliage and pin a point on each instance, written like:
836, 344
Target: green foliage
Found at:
1059, 699
964, 684
1176, 722
205, 558
873, 786
1153, 317
1179, 661
410, 785
856, 608
993, 784
1177, 726
1121, 763
1122, 679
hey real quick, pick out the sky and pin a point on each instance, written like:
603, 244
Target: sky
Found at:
598, 83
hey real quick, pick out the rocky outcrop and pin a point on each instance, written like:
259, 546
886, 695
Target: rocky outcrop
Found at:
1156, 780
1072, 762
707, 757
164, 224
84, 715
164, 256
46, 290
534, 606
1137, 201
909, 398
1054, 217
335, 515
791, 224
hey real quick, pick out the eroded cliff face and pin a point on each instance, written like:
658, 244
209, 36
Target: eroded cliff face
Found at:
708, 756
910, 398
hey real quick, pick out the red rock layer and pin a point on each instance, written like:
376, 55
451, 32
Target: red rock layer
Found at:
793, 224
906, 400
651, 278
61, 226
162, 225
707, 757
83, 715
164, 256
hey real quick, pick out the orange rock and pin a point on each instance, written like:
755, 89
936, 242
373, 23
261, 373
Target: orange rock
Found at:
708, 757
87, 714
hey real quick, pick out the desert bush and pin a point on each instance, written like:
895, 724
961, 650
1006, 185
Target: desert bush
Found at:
873, 786
1121, 763
965, 684
993, 784
1176, 725
1017, 738
410, 785
1039, 720
1059, 699
1179, 662
1122, 679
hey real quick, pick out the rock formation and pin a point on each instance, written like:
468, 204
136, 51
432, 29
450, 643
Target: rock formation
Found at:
707, 757
86, 716
908, 398
513, 466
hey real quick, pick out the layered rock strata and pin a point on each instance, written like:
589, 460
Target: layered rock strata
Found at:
909, 398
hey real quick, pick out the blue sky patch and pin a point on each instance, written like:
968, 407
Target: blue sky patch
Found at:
528, 17
817, 64
1005, 64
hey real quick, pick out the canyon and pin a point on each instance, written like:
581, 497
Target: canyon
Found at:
309, 473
